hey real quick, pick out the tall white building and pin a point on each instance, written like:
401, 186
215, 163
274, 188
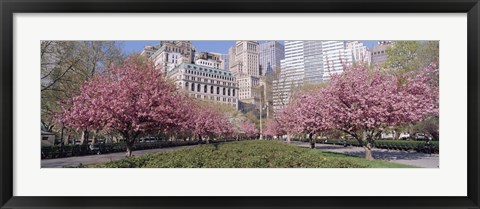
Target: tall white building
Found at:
308, 62
360, 52
336, 54
292, 73
244, 64
313, 61
271, 52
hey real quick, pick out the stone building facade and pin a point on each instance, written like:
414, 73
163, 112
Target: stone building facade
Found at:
244, 64
206, 83
379, 53
210, 59
169, 54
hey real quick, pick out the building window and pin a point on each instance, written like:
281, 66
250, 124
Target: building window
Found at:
211, 89
198, 87
228, 92
218, 90
204, 88
193, 86
233, 92
223, 91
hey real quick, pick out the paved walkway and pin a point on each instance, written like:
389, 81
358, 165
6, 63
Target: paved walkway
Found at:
404, 157
98, 159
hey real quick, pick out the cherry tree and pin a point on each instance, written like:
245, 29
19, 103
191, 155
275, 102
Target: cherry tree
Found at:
186, 115
129, 99
287, 119
313, 114
364, 102
210, 123
249, 129
273, 128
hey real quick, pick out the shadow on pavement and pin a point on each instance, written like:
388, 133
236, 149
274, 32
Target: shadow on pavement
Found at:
389, 155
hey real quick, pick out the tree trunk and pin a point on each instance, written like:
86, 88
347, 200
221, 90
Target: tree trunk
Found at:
396, 135
68, 139
84, 139
130, 147
367, 143
368, 151
434, 135
288, 139
312, 142
94, 137
368, 147
61, 136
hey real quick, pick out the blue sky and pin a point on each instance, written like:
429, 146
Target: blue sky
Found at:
210, 46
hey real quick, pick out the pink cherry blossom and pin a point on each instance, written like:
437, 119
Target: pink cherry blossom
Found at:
248, 129
209, 122
362, 102
131, 98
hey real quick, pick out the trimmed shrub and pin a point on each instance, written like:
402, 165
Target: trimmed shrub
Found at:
405, 145
247, 154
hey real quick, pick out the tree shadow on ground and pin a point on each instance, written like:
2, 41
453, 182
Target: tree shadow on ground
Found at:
332, 147
391, 155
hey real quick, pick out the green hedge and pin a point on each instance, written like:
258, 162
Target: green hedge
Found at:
50, 152
247, 154
405, 145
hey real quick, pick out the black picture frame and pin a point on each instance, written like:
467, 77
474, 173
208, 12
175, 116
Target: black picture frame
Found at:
10, 7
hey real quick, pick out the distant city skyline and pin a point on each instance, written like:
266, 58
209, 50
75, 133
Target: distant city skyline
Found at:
208, 46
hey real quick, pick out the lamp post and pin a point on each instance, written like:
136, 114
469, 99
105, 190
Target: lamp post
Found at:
261, 107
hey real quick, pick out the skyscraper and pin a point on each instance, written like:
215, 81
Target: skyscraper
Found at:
313, 60
271, 52
244, 64
360, 52
336, 54
292, 73
308, 62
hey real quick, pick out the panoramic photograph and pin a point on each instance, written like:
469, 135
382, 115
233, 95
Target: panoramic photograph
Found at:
240, 104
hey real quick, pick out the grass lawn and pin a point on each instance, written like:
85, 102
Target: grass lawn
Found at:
248, 154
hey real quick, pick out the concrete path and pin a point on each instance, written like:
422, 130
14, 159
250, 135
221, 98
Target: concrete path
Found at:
404, 157
102, 158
